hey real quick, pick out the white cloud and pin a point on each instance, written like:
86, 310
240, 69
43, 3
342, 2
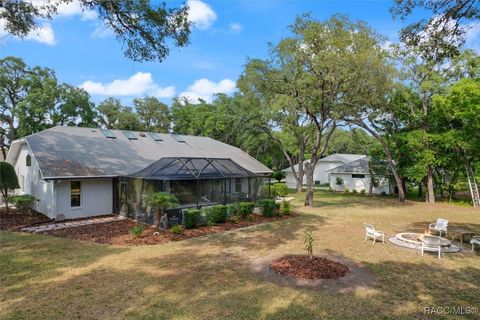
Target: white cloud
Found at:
101, 31
43, 34
200, 14
205, 89
141, 83
236, 27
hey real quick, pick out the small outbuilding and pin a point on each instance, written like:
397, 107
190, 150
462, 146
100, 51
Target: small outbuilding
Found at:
355, 175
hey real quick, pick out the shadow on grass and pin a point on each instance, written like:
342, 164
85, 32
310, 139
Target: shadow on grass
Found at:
267, 236
28, 257
193, 285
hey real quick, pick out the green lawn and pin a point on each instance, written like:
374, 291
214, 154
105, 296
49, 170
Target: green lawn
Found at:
210, 277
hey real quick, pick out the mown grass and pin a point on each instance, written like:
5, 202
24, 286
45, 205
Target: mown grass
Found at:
210, 278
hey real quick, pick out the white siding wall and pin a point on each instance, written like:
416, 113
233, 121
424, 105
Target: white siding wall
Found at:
96, 198
321, 174
31, 182
357, 183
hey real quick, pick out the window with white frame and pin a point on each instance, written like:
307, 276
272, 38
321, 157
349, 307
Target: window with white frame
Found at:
75, 194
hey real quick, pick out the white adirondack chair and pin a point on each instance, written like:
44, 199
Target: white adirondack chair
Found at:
439, 226
370, 232
475, 241
431, 243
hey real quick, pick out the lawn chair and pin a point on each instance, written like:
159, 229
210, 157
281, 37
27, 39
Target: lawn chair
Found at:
370, 232
439, 226
475, 241
431, 243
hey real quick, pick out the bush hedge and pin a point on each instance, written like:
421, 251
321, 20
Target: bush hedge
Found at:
267, 207
286, 207
216, 214
191, 218
25, 203
279, 189
245, 208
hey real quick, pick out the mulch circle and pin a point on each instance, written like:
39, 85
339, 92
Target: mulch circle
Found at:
326, 269
303, 267
118, 232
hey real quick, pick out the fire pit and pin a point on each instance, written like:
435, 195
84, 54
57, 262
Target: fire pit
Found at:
413, 240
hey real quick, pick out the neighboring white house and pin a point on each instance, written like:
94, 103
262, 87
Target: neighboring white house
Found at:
355, 176
321, 174
78, 172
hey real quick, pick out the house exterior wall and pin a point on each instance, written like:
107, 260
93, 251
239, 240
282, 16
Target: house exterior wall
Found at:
31, 182
357, 183
320, 174
96, 198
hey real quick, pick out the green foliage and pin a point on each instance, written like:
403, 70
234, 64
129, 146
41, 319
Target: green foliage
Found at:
245, 208
267, 207
278, 175
286, 207
363, 191
346, 190
137, 230
161, 200
216, 214
339, 181
8, 180
309, 243
191, 218
145, 39
177, 229
233, 219
330, 189
279, 189
354, 191
25, 203
154, 116
232, 209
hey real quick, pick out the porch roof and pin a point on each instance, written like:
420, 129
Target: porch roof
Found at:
188, 168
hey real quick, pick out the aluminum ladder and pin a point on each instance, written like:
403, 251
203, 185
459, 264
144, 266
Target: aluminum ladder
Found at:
473, 186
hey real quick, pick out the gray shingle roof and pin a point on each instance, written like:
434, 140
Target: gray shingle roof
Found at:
357, 166
73, 151
342, 157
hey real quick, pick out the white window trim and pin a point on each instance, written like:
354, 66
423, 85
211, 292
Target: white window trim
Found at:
81, 196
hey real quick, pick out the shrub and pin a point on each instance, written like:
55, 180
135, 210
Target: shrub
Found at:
363, 191
137, 231
346, 190
177, 229
286, 207
216, 214
25, 203
245, 208
8, 181
330, 189
279, 189
354, 191
278, 175
233, 219
191, 218
383, 193
267, 207
232, 209
339, 181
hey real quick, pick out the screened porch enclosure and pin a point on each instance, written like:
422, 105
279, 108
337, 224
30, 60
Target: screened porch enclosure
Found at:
196, 182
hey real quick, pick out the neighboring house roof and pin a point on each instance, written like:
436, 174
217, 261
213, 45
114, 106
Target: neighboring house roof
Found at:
86, 152
357, 166
336, 157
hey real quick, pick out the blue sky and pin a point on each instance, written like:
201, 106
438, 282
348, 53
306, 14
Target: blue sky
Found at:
84, 53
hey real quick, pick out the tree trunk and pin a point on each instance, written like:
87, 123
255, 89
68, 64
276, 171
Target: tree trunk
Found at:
5, 198
299, 178
370, 187
404, 185
419, 195
158, 217
430, 190
310, 184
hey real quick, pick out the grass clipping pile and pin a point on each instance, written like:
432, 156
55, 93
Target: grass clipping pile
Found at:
301, 266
